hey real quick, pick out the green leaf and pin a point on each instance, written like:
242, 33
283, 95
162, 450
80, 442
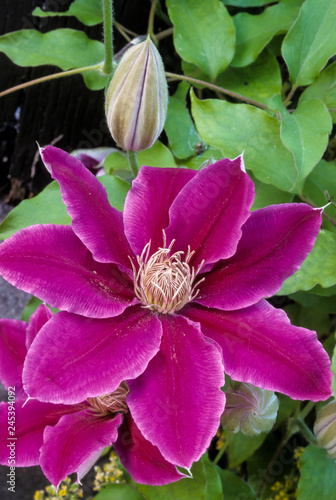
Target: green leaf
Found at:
305, 133
213, 489
235, 488
234, 128
259, 81
313, 301
65, 48
156, 156
318, 268
196, 162
116, 189
204, 34
311, 41
48, 206
45, 208
318, 475
89, 12
254, 32
321, 180
31, 307
333, 368
119, 492
179, 127
323, 88
266, 194
241, 447
95, 80
324, 292
186, 489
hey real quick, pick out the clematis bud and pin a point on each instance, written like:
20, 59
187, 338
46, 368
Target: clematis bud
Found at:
249, 409
136, 101
325, 428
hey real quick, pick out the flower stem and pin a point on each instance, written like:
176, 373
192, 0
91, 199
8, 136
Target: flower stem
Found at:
305, 431
133, 162
307, 409
108, 36
218, 89
47, 78
223, 449
291, 92
150, 29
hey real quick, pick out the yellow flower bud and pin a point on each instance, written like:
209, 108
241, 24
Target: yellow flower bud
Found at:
136, 101
249, 409
325, 428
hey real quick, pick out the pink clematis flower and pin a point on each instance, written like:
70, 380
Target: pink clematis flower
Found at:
165, 296
63, 439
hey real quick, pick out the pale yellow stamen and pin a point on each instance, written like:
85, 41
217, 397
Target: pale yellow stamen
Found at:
114, 402
165, 283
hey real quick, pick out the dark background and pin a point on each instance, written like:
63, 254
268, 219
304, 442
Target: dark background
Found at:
63, 110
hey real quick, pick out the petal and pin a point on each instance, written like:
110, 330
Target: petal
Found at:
30, 422
51, 263
98, 225
275, 242
177, 402
147, 204
141, 458
73, 441
37, 320
208, 213
12, 352
261, 347
74, 357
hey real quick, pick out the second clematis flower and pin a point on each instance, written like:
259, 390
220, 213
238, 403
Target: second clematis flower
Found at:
63, 439
166, 295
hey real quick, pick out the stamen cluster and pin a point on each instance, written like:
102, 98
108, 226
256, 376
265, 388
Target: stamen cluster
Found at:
164, 283
111, 403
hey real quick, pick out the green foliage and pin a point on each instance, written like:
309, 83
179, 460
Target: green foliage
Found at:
333, 367
204, 484
260, 81
242, 447
234, 487
323, 88
119, 492
320, 184
305, 133
234, 128
266, 192
179, 127
254, 32
318, 475
88, 12
204, 34
65, 48
157, 155
319, 268
48, 207
311, 41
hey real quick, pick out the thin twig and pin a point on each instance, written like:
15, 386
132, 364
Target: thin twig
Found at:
218, 89
306, 200
47, 78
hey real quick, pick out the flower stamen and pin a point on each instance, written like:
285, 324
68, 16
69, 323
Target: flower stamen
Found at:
114, 402
164, 283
